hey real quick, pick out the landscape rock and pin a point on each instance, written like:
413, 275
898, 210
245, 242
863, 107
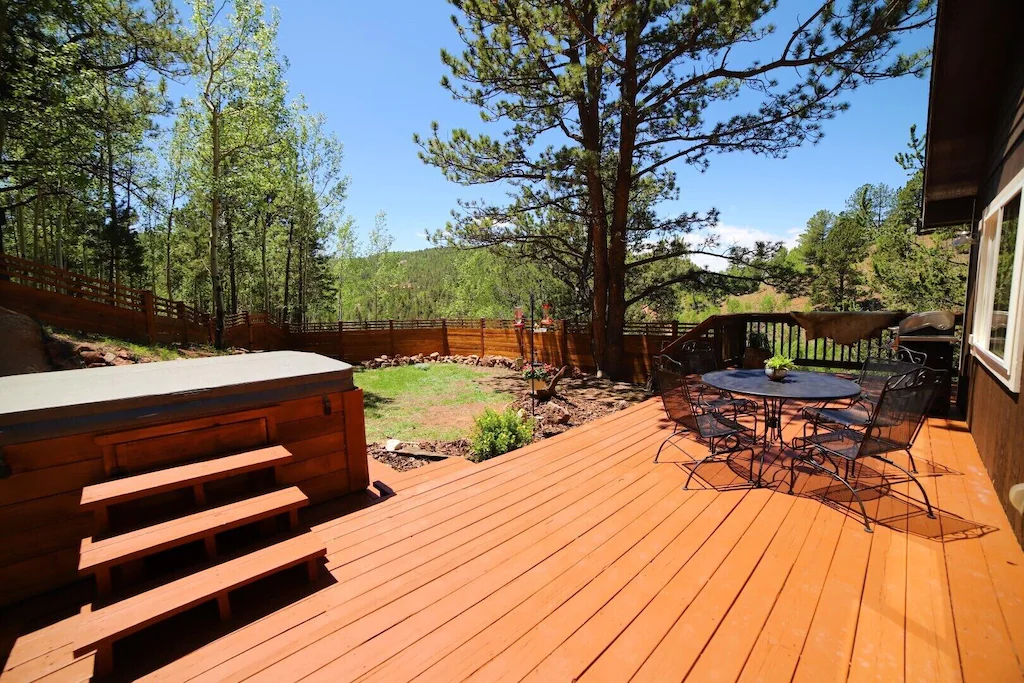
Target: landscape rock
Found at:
392, 445
63, 355
92, 357
556, 414
22, 341
435, 355
109, 357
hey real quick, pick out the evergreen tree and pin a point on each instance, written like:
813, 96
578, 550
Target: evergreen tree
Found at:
596, 100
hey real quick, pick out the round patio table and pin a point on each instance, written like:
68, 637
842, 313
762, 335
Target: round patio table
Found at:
795, 386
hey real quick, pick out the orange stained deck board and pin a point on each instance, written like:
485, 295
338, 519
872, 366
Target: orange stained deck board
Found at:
152, 483
578, 558
199, 525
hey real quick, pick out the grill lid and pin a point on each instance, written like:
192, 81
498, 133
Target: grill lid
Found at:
931, 320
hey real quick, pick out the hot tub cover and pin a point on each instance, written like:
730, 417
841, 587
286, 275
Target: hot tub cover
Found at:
146, 390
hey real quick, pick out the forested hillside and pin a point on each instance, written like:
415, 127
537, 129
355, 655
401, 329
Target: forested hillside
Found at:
446, 283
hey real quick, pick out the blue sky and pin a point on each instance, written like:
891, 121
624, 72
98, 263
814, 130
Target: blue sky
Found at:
374, 73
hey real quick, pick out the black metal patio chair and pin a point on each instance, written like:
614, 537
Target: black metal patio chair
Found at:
894, 425
721, 435
910, 356
874, 374
696, 358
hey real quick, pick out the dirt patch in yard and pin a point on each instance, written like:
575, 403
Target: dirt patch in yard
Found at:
579, 401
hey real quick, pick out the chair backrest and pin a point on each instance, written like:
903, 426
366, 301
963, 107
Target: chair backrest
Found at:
910, 356
877, 371
900, 411
696, 357
675, 394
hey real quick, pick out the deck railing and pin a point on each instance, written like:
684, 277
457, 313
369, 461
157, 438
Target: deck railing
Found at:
729, 335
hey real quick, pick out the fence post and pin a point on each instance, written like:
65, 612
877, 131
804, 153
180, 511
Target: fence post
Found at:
391, 336
483, 323
445, 351
341, 340
148, 304
675, 329
563, 345
248, 329
184, 321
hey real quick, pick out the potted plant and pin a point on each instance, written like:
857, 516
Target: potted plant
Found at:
778, 366
537, 376
758, 350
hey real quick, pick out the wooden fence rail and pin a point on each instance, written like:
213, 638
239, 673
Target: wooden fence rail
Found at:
79, 302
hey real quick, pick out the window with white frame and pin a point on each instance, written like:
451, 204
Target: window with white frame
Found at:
997, 336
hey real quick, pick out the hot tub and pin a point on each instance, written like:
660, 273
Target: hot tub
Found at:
61, 431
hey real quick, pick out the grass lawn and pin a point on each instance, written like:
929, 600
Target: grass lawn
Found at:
436, 403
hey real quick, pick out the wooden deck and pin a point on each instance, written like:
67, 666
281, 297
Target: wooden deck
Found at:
578, 558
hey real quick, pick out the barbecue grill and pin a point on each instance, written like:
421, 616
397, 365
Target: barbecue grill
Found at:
933, 334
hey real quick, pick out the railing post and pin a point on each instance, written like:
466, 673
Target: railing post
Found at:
184, 321
148, 305
563, 346
675, 329
391, 336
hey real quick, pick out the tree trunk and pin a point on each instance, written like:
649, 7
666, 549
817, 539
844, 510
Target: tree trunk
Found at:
232, 281
3, 211
263, 258
3, 233
589, 105
112, 200
301, 312
170, 226
288, 268
19, 217
291, 237
620, 209
215, 279
35, 228
58, 237
46, 235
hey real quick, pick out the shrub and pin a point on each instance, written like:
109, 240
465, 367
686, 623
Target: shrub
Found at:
497, 433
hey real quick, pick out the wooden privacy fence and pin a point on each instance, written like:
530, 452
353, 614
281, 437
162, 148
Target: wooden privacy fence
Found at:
79, 302
562, 343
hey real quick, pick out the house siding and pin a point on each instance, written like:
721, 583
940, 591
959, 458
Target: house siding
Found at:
994, 414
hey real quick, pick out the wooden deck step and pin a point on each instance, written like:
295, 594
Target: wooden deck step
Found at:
99, 496
104, 627
97, 557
